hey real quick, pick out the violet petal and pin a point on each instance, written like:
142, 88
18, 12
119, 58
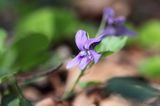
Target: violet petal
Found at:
84, 62
120, 20
108, 32
122, 30
74, 62
108, 15
81, 38
95, 55
92, 42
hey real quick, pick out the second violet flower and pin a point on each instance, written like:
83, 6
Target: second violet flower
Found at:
115, 25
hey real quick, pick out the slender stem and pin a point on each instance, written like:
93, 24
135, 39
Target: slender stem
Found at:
76, 82
102, 26
66, 95
34, 77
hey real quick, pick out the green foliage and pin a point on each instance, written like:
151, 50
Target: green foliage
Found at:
65, 22
2, 41
53, 61
31, 51
148, 35
34, 34
150, 67
25, 102
4, 3
53, 23
5, 74
7, 59
38, 22
130, 88
6, 99
12, 100
6, 56
111, 44
13, 96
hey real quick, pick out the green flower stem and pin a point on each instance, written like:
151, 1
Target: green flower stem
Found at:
68, 94
76, 82
102, 26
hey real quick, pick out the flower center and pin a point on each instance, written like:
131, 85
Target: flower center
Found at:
83, 53
86, 53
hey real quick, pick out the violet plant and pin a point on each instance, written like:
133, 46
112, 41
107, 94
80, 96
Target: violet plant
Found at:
21, 56
111, 37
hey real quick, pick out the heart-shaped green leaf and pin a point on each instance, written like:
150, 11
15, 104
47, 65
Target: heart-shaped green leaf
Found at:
31, 51
111, 44
38, 22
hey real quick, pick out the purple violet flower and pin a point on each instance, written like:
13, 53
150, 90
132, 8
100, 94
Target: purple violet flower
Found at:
87, 54
115, 25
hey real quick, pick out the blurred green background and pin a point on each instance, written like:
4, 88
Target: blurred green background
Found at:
38, 35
